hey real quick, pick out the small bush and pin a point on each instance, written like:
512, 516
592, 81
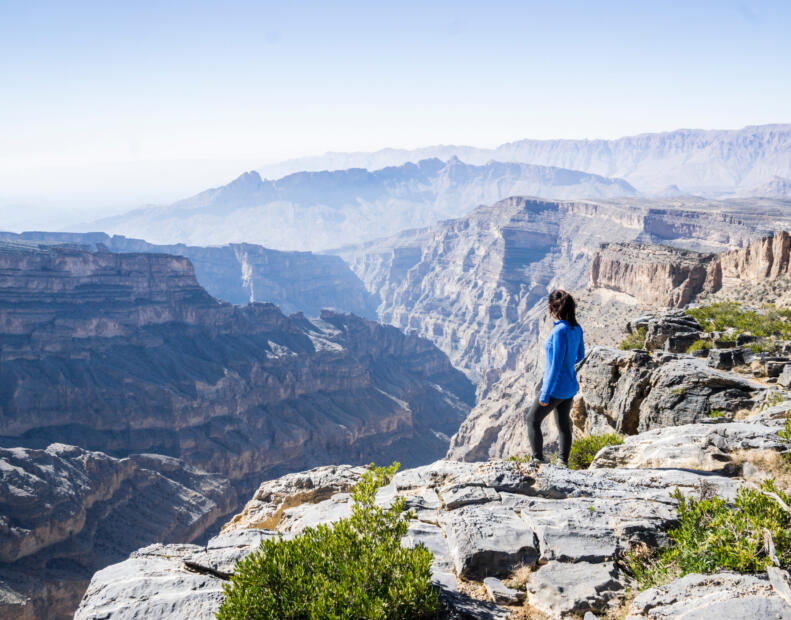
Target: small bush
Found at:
353, 569
716, 413
699, 345
583, 450
635, 340
713, 534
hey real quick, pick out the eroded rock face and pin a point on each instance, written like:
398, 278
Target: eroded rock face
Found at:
670, 277
479, 520
66, 512
722, 595
655, 275
127, 353
629, 392
243, 272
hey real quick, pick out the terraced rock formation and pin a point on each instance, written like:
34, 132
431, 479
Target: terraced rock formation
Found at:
66, 512
127, 353
241, 273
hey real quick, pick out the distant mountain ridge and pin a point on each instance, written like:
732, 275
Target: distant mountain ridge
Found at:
319, 210
706, 162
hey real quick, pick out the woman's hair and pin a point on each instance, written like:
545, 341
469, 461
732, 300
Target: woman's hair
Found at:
563, 306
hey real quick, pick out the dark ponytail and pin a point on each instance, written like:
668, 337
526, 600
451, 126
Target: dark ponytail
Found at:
563, 306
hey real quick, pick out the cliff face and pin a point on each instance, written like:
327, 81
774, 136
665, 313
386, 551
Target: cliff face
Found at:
126, 353
66, 512
669, 277
243, 272
655, 275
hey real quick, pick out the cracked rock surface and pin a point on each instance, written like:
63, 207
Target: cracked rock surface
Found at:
556, 520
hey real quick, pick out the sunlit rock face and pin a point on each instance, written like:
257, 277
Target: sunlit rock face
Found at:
127, 353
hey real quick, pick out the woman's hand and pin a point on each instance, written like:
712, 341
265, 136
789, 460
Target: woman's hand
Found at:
542, 404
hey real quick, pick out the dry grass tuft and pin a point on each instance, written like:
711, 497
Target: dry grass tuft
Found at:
762, 465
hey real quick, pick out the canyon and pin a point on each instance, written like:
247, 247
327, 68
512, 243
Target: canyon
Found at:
122, 381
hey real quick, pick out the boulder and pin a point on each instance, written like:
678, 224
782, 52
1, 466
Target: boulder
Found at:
659, 328
701, 597
560, 589
686, 391
716, 447
774, 368
681, 341
612, 385
724, 359
501, 593
785, 376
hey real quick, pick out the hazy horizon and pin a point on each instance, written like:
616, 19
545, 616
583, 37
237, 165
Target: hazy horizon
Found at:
110, 107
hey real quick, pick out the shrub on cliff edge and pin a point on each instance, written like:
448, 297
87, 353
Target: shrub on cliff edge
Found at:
355, 568
584, 449
715, 534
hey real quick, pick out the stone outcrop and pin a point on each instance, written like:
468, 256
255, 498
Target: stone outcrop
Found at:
722, 595
241, 273
629, 392
715, 445
127, 353
671, 277
479, 519
66, 512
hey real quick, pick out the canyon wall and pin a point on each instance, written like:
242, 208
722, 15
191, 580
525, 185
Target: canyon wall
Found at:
244, 272
473, 285
66, 512
663, 276
127, 353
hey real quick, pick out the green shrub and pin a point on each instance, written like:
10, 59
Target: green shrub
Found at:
353, 569
716, 413
729, 315
583, 450
699, 345
635, 340
713, 534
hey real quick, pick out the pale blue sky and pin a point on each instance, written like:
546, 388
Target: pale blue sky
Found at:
105, 105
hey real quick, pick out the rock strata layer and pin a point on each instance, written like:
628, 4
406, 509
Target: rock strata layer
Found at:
127, 353
241, 273
66, 512
671, 277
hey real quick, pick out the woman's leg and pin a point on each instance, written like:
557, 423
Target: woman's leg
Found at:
535, 417
563, 421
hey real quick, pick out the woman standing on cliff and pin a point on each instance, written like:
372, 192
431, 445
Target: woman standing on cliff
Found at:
564, 348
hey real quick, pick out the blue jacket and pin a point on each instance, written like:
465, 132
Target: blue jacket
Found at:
564, 349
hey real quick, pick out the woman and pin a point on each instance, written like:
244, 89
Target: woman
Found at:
564, 348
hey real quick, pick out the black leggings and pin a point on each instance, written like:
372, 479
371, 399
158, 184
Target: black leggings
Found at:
536, 416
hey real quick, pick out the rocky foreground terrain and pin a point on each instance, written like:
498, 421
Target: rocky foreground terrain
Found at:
508, 538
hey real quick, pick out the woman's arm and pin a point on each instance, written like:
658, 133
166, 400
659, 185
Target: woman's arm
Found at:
581, 352
555, 356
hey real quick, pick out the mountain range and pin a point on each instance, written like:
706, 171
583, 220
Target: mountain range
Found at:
697, 161
319, 210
